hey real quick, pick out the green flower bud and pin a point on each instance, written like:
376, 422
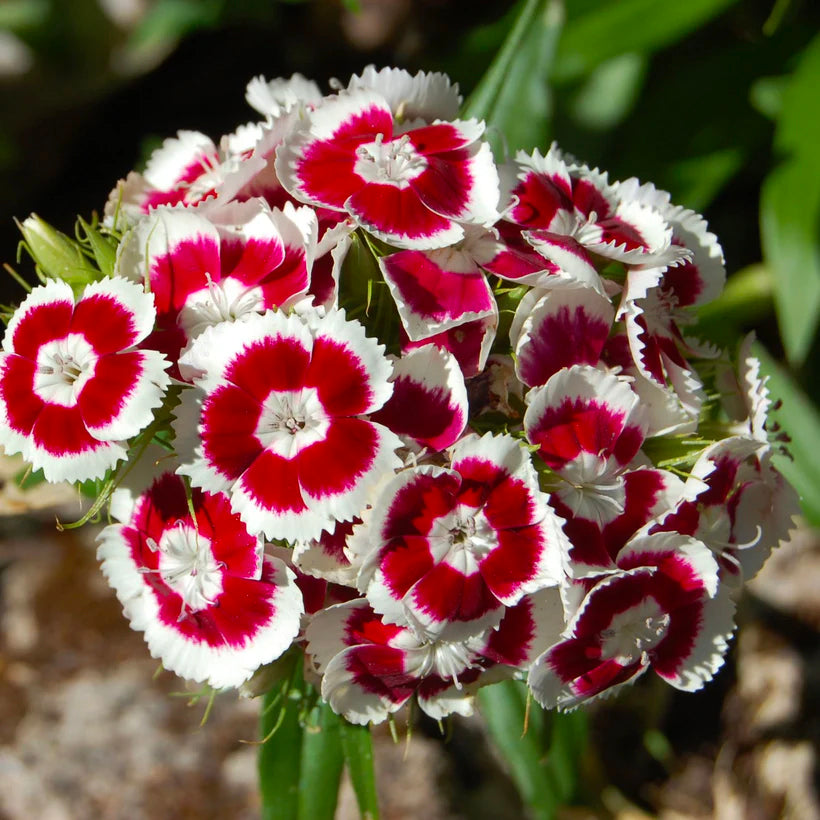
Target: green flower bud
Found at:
57, 256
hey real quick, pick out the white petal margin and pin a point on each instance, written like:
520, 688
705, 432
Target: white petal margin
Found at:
219, 667
436, 372
131, 297
53, 291
137, 410
426, 96
349, 503
708, 652
91, 463
175, 155
159, 234
335, 327
209, 355
346, 697
326, 634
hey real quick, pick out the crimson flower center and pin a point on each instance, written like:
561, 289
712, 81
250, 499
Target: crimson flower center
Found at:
396, 161
63, 368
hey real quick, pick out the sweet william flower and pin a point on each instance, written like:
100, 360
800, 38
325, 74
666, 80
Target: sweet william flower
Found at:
280, 402
371, 668
410, 188
242, 260
212, 606
451, 548
665, 611
73, 384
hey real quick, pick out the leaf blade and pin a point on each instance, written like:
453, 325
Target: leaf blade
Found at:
357, 747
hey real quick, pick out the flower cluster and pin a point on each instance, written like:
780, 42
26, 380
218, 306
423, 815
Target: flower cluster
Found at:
430, 417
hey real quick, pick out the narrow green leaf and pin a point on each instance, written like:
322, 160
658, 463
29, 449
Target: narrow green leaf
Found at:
696, 181
790, 234
619, 26
279, 759
357, 746
745, 301
513, 96
321, 767
567, 744
168, 20
503, 706
800, 419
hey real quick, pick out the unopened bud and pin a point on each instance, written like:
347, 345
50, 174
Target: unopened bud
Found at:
57, 256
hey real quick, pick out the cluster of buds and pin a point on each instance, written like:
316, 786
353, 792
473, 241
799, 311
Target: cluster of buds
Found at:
351, 384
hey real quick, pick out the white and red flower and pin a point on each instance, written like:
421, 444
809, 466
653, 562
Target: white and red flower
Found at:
73, 385
470, 343
740, 507
427, 96
371, 668
451, 548
280, 401
665, 610
410, 188
212, 606
203, 271
273, 98
570, 211
187, 170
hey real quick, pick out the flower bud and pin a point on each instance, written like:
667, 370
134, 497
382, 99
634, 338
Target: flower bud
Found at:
57, 256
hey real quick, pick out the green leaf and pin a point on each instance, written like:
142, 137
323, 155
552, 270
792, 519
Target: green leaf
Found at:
698, 180
103, 247
168, 20
321, 766
357, 746
790, 235
609, 92
300, 760
513, 97
618, 26
19, 15
279, 759
745, 301
798, 126
544, 761
800, 419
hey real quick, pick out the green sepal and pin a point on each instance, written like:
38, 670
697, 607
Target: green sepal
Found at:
102, 245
